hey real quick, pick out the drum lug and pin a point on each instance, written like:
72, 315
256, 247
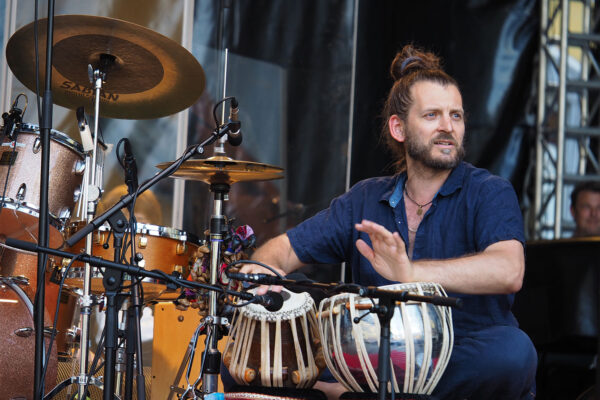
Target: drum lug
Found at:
76, 194
99, 238
178, 268
64, 213
79, 167
24, 332
181, 249
142, 242
37, 145
22, 192
48, 331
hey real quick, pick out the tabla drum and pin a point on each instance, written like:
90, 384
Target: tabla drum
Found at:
165, 249
20, 170
17, 339
275, 349
421, 340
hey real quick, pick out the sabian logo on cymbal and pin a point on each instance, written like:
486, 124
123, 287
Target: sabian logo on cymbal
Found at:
86, 91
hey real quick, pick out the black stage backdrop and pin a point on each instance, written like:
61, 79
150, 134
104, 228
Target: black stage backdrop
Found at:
489, 46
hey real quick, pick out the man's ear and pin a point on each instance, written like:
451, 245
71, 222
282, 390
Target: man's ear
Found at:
396, 127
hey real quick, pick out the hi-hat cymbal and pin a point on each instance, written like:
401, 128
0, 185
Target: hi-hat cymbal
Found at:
220, 169
148, 75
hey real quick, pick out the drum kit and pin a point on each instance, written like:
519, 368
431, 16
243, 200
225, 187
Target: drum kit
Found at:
123, 70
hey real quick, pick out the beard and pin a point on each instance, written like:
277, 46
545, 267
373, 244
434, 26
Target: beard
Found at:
423, 152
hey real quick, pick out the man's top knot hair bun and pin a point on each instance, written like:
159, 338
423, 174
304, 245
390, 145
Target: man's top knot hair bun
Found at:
411, 59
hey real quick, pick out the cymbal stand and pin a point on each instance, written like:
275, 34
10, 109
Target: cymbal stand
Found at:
212, 356
92, 194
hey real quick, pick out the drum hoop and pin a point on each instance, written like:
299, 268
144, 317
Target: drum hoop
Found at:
55, 135
160, 231
26, 208
11, 283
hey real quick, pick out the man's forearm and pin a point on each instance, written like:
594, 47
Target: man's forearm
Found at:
497, 270
278, 253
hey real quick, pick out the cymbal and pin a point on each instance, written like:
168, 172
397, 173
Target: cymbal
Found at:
148, 75
221, 169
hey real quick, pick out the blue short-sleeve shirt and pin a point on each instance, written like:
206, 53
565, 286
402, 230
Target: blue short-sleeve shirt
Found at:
472, 210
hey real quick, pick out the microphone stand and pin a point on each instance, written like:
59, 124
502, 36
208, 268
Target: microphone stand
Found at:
45, 127
112, 282
133, 339
172, 281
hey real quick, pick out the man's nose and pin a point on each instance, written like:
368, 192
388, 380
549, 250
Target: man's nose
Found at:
446, 124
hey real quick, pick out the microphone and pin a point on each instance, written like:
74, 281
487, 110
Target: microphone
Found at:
234, 136
272, 301
131, 178
264, 279
10, 119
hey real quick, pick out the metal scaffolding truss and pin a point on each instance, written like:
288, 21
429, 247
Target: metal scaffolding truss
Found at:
568, 94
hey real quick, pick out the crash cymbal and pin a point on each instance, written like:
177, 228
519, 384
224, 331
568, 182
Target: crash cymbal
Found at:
147, 74
220, 169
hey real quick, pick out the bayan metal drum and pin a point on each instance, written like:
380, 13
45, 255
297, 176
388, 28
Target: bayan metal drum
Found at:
421, 339
162, 248
20, 171
17, 339
275, 349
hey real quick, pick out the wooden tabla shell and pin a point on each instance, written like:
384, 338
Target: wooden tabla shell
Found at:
275, 349
421, 341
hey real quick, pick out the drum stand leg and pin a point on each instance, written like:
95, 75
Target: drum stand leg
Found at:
186, 365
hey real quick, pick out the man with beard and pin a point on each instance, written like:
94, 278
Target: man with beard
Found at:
438, 219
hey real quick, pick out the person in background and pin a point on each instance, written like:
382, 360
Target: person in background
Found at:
585, 209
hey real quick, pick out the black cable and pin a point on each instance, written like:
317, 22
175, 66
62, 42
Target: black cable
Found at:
12, 154
37, 63
253, 262
217, 106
